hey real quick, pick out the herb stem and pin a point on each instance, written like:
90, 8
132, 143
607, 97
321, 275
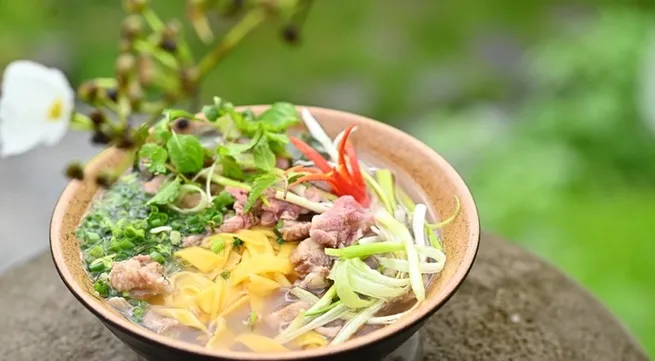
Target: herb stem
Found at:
249, 22
152, 19
81, 122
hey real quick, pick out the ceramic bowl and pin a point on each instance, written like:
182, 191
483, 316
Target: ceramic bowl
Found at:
434, 180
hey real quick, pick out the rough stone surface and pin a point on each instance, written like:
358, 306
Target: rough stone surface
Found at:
512, 306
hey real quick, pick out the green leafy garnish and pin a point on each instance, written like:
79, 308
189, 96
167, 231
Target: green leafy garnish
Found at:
279, 117
102, 287
263, 156
161, 132
231, 168
210, 112
223, 200
225, 274
168, 193
252, 320
155, 157
259, 186
186, 153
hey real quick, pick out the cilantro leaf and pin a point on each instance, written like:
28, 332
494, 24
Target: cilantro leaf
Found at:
231, 168
172, 114
186, 153
279, 117
263, 156
168, 193
155, 157
259, 185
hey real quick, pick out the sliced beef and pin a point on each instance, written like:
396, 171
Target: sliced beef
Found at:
120, 304
158, 323
311, 264
192, 240
286, 314
140, 276
295, 231
265, 213
152, 186
342, 224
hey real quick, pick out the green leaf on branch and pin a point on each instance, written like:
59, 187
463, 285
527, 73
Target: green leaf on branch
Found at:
263, 156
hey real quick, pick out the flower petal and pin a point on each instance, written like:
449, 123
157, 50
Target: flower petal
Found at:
29, 92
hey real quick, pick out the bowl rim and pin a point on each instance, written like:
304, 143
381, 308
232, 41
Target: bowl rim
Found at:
409, 321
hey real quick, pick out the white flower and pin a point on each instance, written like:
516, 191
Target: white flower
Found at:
35, 107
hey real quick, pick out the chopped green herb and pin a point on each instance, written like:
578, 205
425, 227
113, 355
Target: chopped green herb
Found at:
223, 200
157, 219
102, 288
252, 320
176, 238
280, 240
157, 257
218, 245
161, 132
238, 242
139, 311
154, 157
225, 274
168, 193
210, 112
96, 252
186, 153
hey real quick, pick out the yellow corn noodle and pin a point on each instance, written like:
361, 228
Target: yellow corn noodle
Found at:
311, 339
259, 265
234, 306
281, 279
202, 259
183, 316
184, 278
286, 249
222, 335
260, 343
261, 286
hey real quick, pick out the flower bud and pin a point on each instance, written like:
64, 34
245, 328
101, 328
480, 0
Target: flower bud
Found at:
105, 180
134, 6
75, 171
131, 28
172, 30
125, 64
168, 44
291, 34
88, 91
145, 70
97, 118
100, 138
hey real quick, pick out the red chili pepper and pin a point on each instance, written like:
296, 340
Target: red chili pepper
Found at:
346, 178
311, 154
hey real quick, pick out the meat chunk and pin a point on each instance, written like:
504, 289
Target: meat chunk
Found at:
328, 331
342, 224
286, 314
120, 304
158, 323
152, 186
140, 276
192, 240
311, 264
294, 231
267, 214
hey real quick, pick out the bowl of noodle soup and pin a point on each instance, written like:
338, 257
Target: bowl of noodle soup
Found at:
364, 276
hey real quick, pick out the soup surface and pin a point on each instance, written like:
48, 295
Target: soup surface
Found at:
231, 233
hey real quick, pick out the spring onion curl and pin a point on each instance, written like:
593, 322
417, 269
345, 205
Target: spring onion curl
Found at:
402, 265
208, 183
365, 250
319, 134
368, 240
334, 314
351, 327
325, 301
418, 227
399, 230
345, 289
363, 270
458, 208
190, 188
304, 295
370, 181
161, 229
322, 309
386, 320
386, 183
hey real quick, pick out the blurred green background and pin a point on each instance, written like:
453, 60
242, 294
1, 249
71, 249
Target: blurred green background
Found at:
539, 104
